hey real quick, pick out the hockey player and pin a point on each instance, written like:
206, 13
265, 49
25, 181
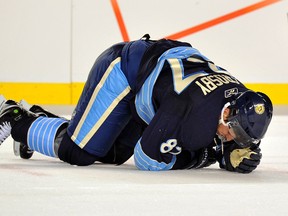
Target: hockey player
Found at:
161, 100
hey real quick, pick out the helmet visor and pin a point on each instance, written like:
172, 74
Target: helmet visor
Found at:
239, 134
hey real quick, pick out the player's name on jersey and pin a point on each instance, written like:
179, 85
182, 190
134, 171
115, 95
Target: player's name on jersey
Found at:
211, 82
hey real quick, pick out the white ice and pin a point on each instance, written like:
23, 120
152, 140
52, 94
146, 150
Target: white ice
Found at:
47, 186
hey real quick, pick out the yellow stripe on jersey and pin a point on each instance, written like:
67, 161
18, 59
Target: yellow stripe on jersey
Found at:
94, 95
180, 83
103, 117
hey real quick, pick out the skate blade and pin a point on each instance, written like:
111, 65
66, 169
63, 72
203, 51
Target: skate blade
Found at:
25, 104
16, 148
2, 101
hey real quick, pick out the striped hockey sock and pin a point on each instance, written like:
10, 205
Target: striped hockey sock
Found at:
42, 134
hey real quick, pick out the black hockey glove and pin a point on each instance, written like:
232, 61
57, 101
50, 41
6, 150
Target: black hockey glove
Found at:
242, 160
201, 158
205, 157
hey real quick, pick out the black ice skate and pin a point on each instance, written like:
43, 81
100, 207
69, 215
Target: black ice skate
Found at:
19, 148
10, 112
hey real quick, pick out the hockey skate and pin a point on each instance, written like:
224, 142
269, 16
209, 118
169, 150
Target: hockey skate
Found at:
10, 112
19, 148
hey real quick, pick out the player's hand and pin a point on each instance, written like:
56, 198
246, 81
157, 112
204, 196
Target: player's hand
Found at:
204, 158
242, 160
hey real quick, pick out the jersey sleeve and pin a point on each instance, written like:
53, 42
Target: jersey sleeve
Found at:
147, 152
159, 147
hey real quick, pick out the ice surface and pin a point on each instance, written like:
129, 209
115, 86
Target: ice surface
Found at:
47, 186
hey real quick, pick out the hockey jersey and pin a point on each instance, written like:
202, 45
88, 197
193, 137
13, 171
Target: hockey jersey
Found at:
179, 97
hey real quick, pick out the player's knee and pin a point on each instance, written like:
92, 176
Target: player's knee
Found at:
71, 153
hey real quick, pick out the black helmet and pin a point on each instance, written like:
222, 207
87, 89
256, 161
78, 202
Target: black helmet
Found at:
250, 115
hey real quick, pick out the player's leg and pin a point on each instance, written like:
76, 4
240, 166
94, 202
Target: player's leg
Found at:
101, 114
38, 133
123, 147
21, 149
71, 153
103, 109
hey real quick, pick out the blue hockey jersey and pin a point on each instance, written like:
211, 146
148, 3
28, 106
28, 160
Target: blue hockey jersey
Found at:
180, 100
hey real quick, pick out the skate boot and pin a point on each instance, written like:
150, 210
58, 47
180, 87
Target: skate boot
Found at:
10, 113
21, 149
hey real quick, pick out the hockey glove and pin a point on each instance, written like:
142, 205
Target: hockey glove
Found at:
201, 158
242, 160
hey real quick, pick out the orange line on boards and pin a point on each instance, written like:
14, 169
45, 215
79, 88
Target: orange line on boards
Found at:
221, 19
196, 28
120, 20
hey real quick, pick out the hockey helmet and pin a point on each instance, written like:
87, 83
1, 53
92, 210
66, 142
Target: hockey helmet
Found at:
250, 115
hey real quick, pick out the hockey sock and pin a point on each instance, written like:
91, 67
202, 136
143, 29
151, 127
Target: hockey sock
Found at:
42, 134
